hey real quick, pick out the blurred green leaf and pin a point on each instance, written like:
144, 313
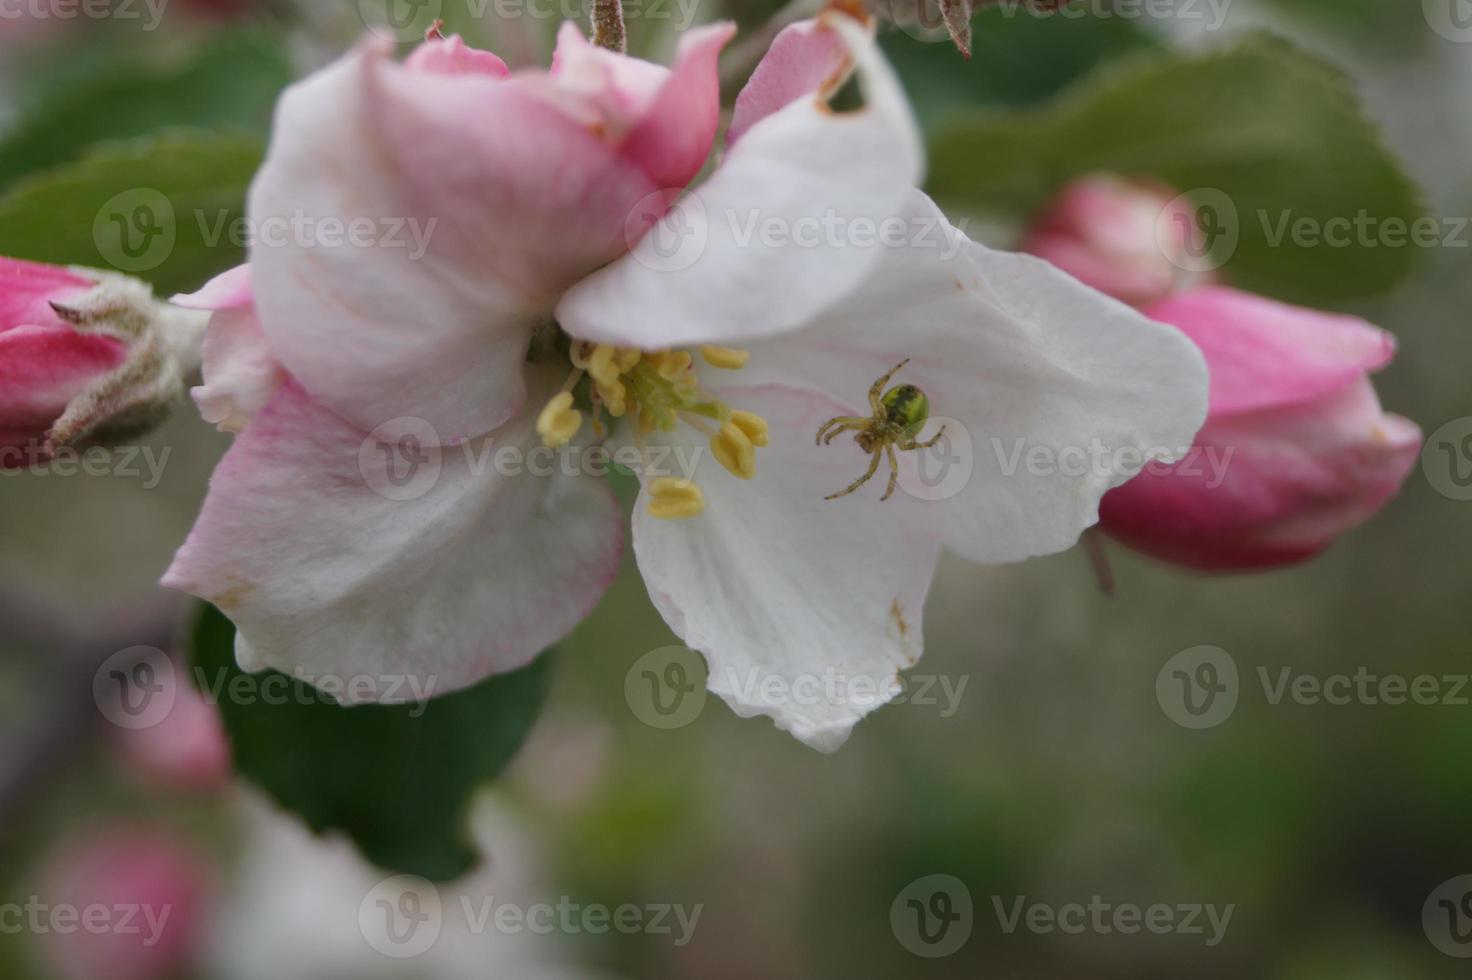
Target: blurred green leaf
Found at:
229, 85
397, 779
1018, 58
1278, 132
161, 209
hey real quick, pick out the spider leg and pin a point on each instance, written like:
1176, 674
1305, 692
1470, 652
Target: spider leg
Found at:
842, 423
912, 444
873, 466
877, 389
894, 470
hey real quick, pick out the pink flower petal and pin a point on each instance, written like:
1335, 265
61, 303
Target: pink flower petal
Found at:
42, 368
1264, 354
344, 555
452, 56
805, 58
28, 288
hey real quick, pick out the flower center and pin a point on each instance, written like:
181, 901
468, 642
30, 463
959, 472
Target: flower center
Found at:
659, 390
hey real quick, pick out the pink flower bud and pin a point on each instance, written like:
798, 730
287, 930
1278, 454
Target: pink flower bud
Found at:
186, 751
1295, 451
1123, 238
129, 904
84, 355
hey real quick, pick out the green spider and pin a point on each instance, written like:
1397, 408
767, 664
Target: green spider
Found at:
899, 415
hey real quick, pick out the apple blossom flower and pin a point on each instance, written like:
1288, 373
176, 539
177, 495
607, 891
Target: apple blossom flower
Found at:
572, 295
1296, 449
141, 899
1130, 239
84, 356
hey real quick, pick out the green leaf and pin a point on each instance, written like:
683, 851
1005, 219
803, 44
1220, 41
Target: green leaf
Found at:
1278, 132
230, 85
1019, 57
161, 209
397, 779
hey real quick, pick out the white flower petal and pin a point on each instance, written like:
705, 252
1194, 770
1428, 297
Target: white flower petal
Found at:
738, 258
1061, 392
339, 555
805, 609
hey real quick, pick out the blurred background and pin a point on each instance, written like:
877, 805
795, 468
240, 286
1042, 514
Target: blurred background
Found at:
1033, 761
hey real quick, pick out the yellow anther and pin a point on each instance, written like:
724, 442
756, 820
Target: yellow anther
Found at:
671, 499
627, 357
646, 423
559, 421
732, 448
727, 358
603, 364
671, 364
614, 396
754, 427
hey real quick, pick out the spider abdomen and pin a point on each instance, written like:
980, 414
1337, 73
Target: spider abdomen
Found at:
907, 408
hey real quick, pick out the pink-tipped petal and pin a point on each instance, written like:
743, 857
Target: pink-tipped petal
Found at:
42, 368
805, 58
27, 290
673, 139
452, 56
485, 201
341, 554
1264, 353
